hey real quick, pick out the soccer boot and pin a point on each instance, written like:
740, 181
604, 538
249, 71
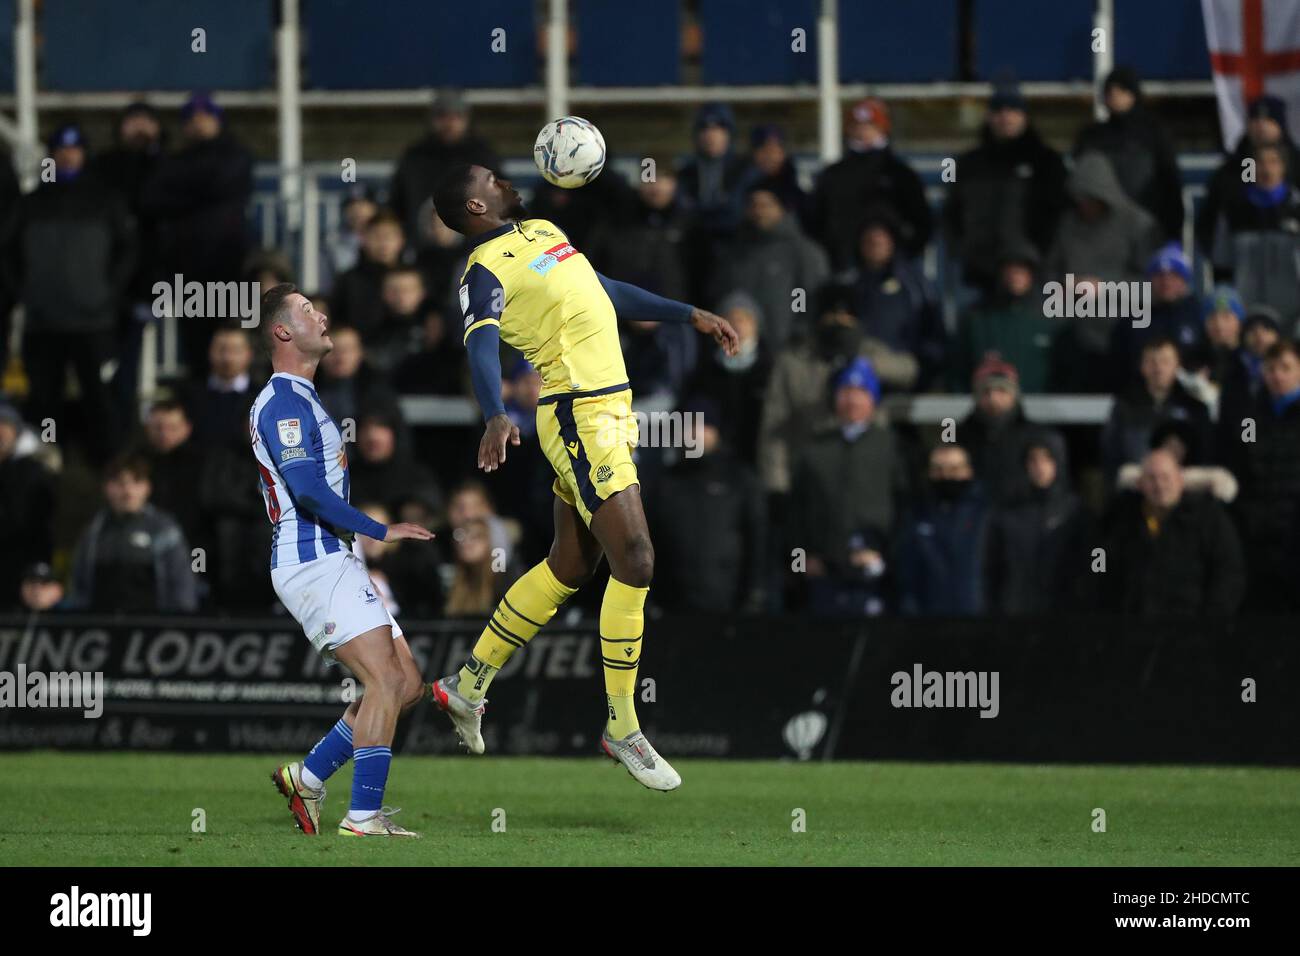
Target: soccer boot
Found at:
381, 824
466, 716
304, 802
642, 762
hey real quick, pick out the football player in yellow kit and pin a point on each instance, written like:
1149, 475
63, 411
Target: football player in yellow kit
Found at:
526, 285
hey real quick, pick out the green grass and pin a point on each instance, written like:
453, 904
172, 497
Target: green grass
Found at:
132, 809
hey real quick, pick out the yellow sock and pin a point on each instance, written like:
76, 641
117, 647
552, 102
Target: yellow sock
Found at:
622, 619
525, 609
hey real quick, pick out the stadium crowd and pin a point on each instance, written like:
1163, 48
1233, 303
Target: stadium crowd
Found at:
804, 495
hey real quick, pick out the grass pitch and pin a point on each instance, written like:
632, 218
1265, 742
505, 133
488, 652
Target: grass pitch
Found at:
63, 809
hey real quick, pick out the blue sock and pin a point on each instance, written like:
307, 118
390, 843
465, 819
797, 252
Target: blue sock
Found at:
331, 752
369, 777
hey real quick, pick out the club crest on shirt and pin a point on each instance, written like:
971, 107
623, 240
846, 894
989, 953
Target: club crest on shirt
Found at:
290, 430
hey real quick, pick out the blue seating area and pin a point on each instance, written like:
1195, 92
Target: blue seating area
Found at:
628, 44
92, 45
420, 44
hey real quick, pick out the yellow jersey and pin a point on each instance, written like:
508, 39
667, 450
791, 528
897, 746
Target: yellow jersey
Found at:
528, 280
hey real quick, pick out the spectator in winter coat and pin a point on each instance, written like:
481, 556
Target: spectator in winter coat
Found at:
1263, 224
132, 558
1159, 399
1168, 551
771, 259
1175, 315
709, 533
199, 196
648, 246
450, 141
71, 254
798, 391
1138, 150
710, 187
870, 176
1267, 466
1243, 382
941, 540
771, 168
1010, 322
736, 384
1265, 126
1037, 542
848, 478
893, 300
357, 300
996, 433
1010, 189
1104, 234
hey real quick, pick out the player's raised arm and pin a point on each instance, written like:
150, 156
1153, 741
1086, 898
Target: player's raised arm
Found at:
304, 473
482, 299
633, 302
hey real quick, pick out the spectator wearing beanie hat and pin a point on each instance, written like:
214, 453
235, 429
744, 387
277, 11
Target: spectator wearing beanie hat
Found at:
73, 253
1137, 147
1036, 560
1223, 318
1175, 314
869, 175
771, 167
996, 432
1009, 189
1243, 383
846, 485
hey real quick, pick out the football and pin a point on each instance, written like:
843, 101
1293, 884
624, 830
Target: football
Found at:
569, 152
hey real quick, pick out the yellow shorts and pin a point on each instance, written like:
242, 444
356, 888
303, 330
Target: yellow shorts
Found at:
588, 441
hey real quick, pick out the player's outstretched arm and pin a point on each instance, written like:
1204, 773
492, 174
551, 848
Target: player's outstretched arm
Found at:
313, 494
633, 302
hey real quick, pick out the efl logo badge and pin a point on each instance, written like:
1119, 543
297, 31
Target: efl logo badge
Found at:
552, 257
290, 430
464, 298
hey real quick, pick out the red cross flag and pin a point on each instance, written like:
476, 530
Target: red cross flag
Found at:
1254, 50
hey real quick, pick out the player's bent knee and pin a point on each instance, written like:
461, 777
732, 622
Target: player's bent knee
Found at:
413, 685
638, 564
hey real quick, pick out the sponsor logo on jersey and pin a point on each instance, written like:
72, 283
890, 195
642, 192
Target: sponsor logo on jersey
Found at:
290, 430
469, 320
552, 257
508, 254
573, 447
367, 594
289, 454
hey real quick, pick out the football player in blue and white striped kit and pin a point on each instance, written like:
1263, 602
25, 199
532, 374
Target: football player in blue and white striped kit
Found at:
304, 471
